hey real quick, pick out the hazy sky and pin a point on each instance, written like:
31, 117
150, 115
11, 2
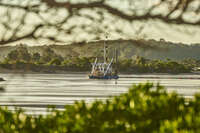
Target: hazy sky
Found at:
174, 33
152, 29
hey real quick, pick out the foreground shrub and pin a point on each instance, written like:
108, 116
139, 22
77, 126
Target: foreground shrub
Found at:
142, 110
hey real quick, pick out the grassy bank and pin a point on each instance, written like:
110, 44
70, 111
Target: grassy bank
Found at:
141, 110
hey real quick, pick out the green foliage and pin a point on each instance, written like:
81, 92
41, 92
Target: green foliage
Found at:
21, 53
48, 55
82, 63
36, 57
141, 110
20, 65
13, 55
5, 61
141, 65
55, 61
135, 65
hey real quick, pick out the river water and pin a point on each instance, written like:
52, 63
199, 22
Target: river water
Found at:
33, 92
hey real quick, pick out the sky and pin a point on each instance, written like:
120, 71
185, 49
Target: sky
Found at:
173, 33
152, 29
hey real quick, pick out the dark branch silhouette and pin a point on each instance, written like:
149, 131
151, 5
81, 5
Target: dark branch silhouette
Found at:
55, 21
182, 5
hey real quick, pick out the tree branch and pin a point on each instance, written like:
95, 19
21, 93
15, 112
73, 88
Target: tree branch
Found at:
29, 35
122, 15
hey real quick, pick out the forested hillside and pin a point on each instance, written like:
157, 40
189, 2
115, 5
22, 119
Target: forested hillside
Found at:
149, 49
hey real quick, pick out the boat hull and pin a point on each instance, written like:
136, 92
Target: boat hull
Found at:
103, 77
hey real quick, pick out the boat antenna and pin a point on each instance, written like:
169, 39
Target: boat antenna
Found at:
105, 51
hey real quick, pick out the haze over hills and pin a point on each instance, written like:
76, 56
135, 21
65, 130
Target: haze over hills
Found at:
150, 49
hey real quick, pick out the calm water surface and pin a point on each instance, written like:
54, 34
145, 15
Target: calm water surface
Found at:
34, 92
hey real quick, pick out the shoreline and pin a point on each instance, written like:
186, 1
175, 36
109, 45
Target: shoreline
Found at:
7, 71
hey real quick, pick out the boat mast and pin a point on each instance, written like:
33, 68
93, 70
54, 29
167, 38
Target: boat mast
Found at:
116, 61
108, 67
94, 66
105, 60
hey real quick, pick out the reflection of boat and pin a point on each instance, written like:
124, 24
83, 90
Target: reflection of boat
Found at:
1, 79
105, 70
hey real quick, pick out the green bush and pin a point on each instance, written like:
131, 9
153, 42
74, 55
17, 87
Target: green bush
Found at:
36, 57
141, 110
55, 61
21, 53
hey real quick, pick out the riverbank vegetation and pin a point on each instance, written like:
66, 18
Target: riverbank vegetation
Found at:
49, 61
142, 109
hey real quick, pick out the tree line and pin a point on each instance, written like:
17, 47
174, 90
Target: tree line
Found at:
21, 58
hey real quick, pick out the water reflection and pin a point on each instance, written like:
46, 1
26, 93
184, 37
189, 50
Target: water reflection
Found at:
39, 90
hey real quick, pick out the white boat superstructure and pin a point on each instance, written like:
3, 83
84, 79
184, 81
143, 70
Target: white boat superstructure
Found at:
104, 70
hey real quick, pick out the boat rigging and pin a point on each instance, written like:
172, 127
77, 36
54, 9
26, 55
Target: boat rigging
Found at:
105, 69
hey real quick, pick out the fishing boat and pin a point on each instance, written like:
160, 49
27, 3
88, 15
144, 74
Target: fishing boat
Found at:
105, 69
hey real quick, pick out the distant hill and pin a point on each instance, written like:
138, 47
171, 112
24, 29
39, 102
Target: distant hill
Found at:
150, 49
